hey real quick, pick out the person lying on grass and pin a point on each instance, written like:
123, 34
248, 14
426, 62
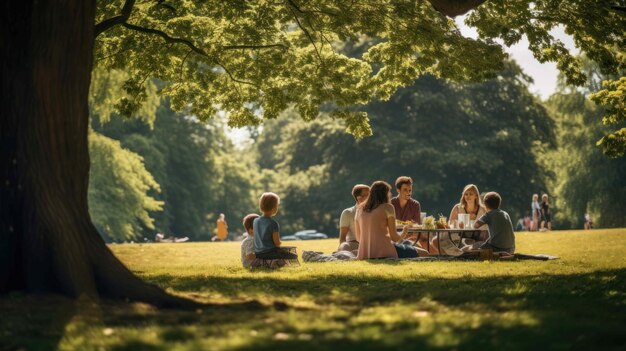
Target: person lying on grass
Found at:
501, 236
375, 225
267, 231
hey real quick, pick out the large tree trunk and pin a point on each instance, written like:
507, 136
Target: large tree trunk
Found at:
48, 242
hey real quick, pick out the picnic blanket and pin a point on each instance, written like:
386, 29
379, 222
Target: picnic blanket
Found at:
313, 256
475, 256
282, 256
316, 256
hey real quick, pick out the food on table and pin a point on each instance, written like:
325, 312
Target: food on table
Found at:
442, 223
429, 222
400, 222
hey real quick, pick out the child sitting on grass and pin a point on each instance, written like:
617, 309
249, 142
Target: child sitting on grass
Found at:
247, 245
267, 231
501, 236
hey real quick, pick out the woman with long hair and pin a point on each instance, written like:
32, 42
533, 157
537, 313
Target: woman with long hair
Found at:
375, 225
536, 212
471, 204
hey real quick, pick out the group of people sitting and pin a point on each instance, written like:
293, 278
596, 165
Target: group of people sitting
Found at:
368, 230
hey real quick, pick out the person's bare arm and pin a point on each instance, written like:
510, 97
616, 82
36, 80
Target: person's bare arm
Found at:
454, 214
478, 224
418, 217
276, 238
391, 227
343, 232
357, 230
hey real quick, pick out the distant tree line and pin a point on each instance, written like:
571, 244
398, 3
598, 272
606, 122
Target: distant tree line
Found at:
168, 172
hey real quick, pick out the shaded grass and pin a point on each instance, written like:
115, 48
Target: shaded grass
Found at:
577, 302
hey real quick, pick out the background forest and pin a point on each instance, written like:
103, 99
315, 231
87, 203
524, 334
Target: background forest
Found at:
168, 172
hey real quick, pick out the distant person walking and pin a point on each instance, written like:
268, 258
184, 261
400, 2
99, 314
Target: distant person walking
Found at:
535, 209
546, 216
222, 228
588, 222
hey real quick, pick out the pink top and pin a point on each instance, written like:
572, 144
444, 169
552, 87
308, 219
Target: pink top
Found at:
375, 241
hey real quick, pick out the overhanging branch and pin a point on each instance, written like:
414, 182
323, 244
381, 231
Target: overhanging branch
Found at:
123, 18
166, 37
187, 43
302, 27
190, 45
166, 6
113, 21
269, 46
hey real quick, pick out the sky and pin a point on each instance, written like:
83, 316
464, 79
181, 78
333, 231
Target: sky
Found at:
543, 74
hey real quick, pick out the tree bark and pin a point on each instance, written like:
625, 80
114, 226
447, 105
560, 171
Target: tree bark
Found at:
48, 242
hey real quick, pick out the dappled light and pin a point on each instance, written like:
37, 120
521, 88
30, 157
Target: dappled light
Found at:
468, 305
132, 218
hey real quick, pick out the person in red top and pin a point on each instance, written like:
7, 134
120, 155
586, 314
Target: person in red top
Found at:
407, 208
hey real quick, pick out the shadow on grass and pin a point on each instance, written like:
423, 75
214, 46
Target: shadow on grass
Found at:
366, 290
50, 322
578, 311
33, 322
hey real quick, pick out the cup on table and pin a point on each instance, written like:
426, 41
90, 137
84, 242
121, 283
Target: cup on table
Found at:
465, 218
452, 224
471, 223
422, 216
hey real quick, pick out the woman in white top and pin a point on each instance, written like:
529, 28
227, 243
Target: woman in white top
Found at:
536, 211
470, 204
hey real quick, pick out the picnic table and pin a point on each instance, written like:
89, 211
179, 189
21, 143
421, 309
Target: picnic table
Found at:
456, 235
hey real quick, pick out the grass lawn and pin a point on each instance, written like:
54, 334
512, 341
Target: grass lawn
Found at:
576, 302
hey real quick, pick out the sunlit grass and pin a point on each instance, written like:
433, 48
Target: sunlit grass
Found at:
576, 302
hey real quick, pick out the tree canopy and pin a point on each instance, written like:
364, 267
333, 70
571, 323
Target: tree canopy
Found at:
254, 59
